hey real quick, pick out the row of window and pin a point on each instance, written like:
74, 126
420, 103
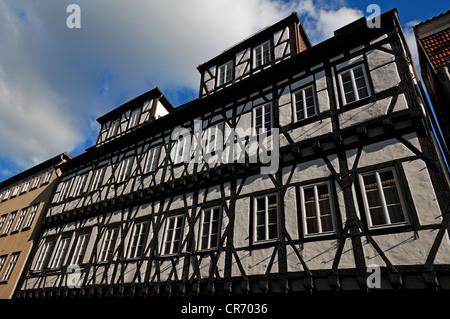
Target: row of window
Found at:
380, 190
82, 183
9, 265
261, 57
26, 185
26, 215
132, 122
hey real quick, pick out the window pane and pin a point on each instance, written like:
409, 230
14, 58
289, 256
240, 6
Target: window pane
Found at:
327, 223
396, 213
376, 214
311, 225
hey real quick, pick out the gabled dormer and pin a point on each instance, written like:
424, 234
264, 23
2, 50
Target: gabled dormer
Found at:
146, 108
258, 52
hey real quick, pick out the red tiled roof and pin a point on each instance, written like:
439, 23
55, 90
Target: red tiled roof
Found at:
437, 47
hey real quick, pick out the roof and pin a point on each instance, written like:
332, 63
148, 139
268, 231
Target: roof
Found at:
52, 162
437, 47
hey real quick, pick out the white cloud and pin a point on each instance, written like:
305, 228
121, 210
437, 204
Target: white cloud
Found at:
54, 81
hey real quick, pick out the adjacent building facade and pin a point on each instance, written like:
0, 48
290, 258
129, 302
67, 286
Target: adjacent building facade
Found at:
296, 169
433, 44
24, 199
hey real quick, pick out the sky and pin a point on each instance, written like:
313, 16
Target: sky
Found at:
55, 81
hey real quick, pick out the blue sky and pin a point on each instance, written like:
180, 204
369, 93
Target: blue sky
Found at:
55, 81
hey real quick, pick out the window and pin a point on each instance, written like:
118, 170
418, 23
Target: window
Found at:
181, 151
137, 240
80, 249
261, 54
382, 198
152, 159
125, 169
61, 252
64, 190
9, 223
209, 228
265, 218
8, 191
37, 179
81, 181
21, 218
16, 189
48, 176
172, 236
304, 102
354, 84
2, 220
317, 209
263, 118
12, 263
225, 73
98, 178
108, 244
113, 128
26, 185
134, 120
45, 254
33, 212
2, 261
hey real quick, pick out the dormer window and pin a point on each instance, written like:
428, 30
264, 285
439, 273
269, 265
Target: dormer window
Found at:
261, 54
225, 73
113, 128
134, 121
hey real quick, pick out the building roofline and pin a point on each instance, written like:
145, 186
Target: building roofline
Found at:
52, 162
154, 93
243, 44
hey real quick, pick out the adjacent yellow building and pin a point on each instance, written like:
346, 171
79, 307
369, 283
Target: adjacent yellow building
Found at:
23, 201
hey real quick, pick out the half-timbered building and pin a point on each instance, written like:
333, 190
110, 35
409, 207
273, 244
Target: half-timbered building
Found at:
357, 181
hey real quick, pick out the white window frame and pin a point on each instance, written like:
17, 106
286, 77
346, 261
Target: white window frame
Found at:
125, 169
318, 215
48, 176
7, 193
266, 219
11, 265
152, 158
109, 243
225, 73
16, 189
183, 145
353, 82
80, 184
113, 128
2, 261
61, 252
134, 118
64, 190
19, 222
44, 255
178, 224
209, 232
381, 196
304, 106
37, 180
97, 180
32, 215
264, 119
26, 185
2, 220
80, 249
138, 239
9, 223
260, 50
